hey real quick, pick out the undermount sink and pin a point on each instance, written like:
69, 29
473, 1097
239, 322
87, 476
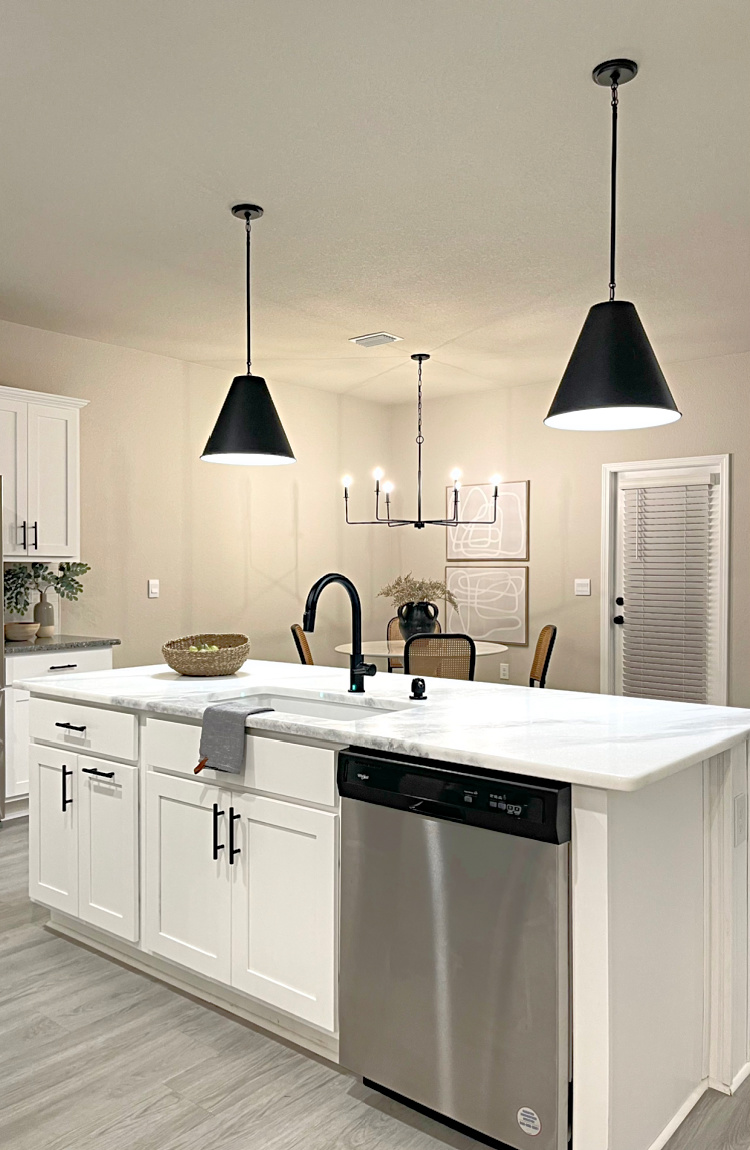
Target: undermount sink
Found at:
314, 708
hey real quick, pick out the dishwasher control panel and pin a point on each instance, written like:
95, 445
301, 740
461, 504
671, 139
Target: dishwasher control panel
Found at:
538, 809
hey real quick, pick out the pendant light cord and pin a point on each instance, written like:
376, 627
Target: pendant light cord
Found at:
247, 286
613, 191
420, 441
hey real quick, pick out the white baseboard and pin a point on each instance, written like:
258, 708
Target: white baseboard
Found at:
290, 1029
16, 808
675, 1123
740, 1077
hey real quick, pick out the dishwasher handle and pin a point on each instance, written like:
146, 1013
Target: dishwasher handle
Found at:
437, 810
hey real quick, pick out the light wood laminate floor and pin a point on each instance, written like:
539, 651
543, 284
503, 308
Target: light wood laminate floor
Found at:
94, 1056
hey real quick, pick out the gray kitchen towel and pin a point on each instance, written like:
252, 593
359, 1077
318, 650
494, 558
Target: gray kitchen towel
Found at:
223, 734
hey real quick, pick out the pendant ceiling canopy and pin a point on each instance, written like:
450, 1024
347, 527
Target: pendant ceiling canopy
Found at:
613, 381
248, 431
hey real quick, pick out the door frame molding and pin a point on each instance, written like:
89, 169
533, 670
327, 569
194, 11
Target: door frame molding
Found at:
610, 474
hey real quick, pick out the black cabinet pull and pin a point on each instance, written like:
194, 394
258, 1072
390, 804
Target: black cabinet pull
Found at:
233, 850
62, 667
35, 529
619, 619
66, 802
620, 601
96, 771
23, 528
217, 846
70, 727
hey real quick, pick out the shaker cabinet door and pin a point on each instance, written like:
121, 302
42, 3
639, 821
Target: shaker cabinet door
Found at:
284, 885
108, 846
53, 829
188, 892
13, 468
53, 481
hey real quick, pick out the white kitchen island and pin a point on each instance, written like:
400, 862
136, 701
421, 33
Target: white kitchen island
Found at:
131, 851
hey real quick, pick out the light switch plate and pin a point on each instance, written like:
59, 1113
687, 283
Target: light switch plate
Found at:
582, 586
505, 670
153, 588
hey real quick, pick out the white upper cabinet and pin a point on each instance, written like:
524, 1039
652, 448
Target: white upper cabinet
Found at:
39, 463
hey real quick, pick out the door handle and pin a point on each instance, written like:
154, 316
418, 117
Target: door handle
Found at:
233, 850
23, 528
216, 845
619, 619
96, 771
35, 529
66, 802
70, 727
62, 667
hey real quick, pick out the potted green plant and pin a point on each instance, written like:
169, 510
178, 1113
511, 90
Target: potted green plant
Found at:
414, 601
20, 579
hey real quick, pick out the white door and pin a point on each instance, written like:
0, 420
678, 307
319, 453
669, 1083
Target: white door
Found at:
53, 481
16, 742
108, 846
188, 890
53, 829
13, 468
284, 891
665, 579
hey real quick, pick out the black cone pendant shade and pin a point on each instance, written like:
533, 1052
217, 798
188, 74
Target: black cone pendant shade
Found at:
613, 381
248, 431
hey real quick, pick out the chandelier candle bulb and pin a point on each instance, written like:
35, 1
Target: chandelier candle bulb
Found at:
378, 474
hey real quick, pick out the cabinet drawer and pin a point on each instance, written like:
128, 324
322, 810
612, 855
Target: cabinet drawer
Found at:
294, 770
110, 733
55, 663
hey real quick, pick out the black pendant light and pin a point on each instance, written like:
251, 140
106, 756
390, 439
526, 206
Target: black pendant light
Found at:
248, 430
613, 380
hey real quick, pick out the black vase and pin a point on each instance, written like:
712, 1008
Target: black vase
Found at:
417, 619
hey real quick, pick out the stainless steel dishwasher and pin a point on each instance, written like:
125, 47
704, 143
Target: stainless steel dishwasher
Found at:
454, 985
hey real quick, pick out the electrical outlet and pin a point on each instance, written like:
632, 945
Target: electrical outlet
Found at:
153, 588
505, 670
582, 586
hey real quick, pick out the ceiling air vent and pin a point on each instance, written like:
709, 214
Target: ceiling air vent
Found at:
375, 339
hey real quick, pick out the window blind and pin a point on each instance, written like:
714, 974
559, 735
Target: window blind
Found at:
670, 535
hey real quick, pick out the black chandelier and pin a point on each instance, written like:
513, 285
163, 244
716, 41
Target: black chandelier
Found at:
248, 431
454, 521
613, 381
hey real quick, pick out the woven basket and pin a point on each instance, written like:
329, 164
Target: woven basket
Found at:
233, 650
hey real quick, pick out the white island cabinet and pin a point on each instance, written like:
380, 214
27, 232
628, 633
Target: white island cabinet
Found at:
227, 886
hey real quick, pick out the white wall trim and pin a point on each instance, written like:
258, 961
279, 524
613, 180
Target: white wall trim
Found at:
610, 473
674, 1123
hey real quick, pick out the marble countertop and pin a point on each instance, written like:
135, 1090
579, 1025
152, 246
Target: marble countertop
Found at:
56, 643
594, 740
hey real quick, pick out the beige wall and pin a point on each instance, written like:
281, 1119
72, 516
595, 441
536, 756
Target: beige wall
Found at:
234, 548
503, 431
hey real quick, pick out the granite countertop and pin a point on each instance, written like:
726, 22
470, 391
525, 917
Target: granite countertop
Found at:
595, 740
56, 643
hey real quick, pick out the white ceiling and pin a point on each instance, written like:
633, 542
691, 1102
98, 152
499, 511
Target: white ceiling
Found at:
434, 168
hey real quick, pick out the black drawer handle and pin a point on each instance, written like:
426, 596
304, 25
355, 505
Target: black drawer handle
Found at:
217, 846
70, 727
35, 529
96, 771
23, 528
233, 850
66, 802
62, 666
